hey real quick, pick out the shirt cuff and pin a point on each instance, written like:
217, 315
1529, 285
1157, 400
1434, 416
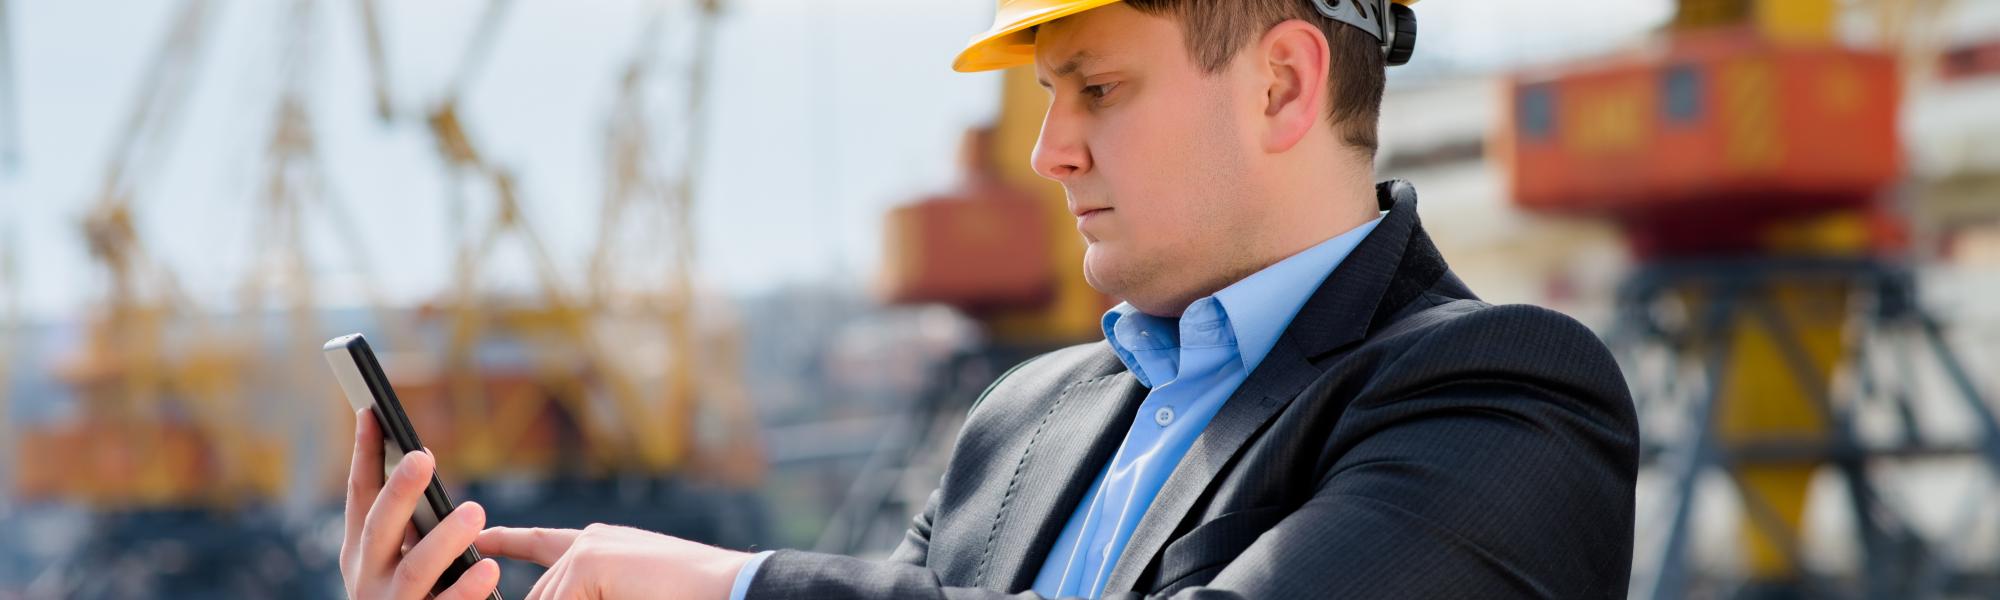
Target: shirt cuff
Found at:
749, 572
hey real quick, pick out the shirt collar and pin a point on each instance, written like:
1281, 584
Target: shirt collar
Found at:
1253, 312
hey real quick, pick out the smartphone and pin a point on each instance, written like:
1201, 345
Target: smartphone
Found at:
362, 381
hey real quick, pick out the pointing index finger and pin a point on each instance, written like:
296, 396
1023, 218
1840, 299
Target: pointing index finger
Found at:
538, 545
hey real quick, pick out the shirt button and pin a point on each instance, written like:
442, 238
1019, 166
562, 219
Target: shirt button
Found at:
1163, 416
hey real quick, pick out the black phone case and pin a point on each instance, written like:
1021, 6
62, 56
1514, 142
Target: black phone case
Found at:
395, 426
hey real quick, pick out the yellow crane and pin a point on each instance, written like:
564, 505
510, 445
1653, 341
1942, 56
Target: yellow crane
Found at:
642, 269
1748, 158
557, 325
292, 195
581, 351
148, 358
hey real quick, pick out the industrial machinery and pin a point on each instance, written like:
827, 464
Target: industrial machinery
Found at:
1752, 163
616, 398
294, 195
177, 471
641, 275
161, 419
477, 414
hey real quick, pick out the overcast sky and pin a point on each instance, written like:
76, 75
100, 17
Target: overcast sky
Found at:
825, 113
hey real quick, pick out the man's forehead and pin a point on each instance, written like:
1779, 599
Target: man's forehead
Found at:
1067, 45
1108, 34
1064, 62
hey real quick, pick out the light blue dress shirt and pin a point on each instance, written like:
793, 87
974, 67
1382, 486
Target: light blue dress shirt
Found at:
1190, 365
749, 571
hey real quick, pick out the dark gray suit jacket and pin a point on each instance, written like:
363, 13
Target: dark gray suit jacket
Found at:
1402, 440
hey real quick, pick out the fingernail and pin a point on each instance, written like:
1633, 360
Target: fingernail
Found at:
468, 513
409, 464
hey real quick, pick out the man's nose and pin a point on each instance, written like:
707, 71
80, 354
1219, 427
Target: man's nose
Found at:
1060, 153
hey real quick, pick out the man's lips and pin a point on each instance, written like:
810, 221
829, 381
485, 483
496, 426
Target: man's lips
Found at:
1083, 220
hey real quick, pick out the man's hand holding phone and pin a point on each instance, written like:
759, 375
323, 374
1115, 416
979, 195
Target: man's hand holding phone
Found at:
405, 540
377, 559
381, 557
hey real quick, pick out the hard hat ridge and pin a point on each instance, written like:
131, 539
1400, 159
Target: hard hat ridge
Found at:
1364, 14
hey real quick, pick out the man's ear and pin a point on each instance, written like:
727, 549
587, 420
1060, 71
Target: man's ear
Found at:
1295, 57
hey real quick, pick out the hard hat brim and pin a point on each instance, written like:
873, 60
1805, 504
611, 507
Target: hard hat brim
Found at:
1011, 43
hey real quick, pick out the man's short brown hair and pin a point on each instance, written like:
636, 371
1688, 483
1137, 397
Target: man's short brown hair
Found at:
1216, 29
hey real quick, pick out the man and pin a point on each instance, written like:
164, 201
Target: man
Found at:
1295, 399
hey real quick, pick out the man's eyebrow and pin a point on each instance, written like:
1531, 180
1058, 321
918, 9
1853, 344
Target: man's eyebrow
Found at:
1069, 66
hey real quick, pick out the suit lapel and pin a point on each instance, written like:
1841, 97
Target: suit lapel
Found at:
1077, 436
1339, 312
1280, 377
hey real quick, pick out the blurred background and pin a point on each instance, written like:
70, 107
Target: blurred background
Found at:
734, 269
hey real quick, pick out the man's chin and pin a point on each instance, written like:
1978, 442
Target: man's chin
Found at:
1104, 272
1094, 271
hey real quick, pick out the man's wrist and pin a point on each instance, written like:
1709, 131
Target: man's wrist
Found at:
746, 573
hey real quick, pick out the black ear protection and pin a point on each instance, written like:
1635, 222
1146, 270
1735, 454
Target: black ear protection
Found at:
1402, 30
1394, 24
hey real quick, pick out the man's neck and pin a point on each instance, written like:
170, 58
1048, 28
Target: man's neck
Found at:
1319, 220
1313, 207
1298, 223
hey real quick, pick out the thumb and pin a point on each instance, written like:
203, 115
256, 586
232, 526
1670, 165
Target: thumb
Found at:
537, 545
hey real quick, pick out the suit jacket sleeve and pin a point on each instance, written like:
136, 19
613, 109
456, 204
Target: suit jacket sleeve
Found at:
796, 574
1493, 458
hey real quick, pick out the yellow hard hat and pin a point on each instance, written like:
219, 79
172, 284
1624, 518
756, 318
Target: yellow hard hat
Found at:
1011, 40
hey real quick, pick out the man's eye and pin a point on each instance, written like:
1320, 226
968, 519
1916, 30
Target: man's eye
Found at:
1098, 91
